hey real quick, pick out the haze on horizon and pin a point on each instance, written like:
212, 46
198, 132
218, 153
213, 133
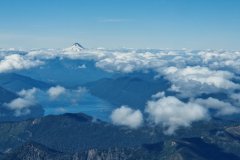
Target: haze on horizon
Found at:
161, 24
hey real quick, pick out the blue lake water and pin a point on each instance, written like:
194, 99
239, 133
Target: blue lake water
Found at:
87, 104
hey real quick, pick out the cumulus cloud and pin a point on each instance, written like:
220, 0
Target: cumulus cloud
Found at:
221, 108
17, 62
126, 62
83, 66
22, 104
55, 92
126, 116
236, 97
158, 95
195, 80
172, 113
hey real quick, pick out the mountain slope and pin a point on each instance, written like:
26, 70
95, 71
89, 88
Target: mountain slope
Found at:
196, 148
70, 133
67, 72
134, 91
179, 149
76, 47
15, 82
35, 151
6, 96
79, 135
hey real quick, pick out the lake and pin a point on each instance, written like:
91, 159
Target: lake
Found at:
87, 104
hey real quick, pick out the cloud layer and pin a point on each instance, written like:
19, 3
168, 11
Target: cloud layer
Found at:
208, 70
191, 73
196, 80
17, 62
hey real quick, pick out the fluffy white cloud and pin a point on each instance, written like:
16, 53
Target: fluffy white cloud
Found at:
195, 80
17, 62
221, 108
55, 92
128, 60
28, 93
158, 95
22, 104
83, 66
236, 97
44, 53
126, 116
172, 113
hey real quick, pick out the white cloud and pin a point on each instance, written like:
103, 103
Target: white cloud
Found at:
44, 53
129, 60
28, 93
158, 95
55, 92
22, 104
126, 116
83, 66
221, 108
172, 113
19, 103
17, 62
236, 97
192, 81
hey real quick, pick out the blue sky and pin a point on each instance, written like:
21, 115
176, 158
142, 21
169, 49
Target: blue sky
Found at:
176, 24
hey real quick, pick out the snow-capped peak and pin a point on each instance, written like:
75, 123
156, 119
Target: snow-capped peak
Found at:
76, 47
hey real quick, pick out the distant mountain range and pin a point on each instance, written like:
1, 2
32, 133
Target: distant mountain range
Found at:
133, 90
67, 72
77, 136
15, 82
6, 96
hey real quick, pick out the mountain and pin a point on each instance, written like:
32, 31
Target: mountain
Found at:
16, 82
66, 72
195, 148
78, 136
10, 115
133, 90
35, 151
76, 47
6, 96
183, 149
70, 133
